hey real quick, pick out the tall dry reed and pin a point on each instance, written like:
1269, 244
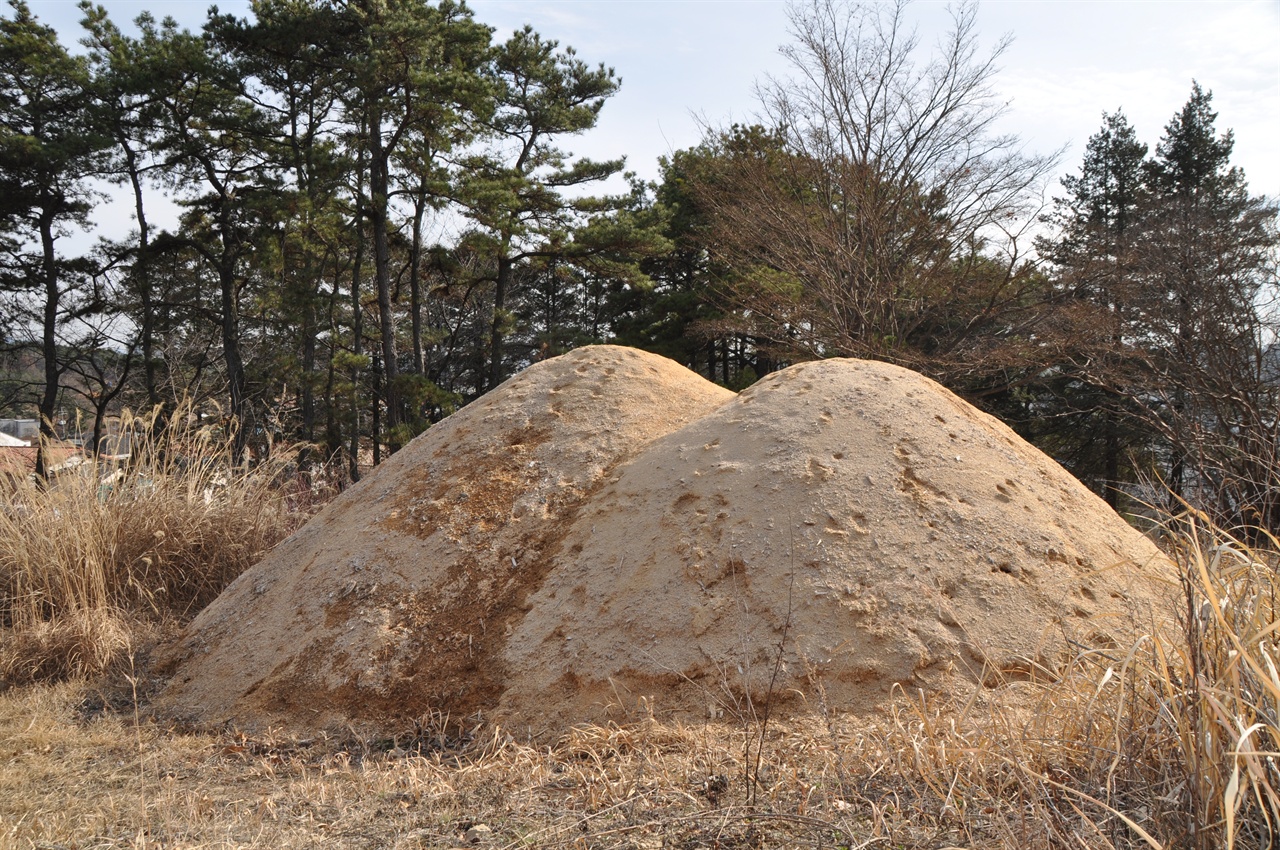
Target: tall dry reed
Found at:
107, 547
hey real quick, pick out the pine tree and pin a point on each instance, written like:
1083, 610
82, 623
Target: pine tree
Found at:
1086, 425
291, 54
1206, 264
681, 315
414, 80
523, 194
1170, 261
217, 142
50, 142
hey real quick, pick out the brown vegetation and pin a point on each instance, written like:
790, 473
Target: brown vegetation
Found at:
108, 551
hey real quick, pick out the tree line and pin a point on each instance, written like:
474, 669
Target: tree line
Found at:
377, 221
308, 150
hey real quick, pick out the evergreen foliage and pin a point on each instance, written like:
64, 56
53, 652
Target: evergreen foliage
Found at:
1173, 265
50, 141
311, 149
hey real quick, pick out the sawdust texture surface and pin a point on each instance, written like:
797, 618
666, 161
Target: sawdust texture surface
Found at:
609, 533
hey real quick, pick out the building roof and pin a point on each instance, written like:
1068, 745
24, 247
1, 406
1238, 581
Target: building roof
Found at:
20, 461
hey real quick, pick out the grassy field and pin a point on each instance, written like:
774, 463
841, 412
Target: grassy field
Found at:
1170, 743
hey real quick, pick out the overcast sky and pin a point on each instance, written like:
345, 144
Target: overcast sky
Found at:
683, 62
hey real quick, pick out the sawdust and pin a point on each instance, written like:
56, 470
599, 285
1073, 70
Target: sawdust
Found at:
608, 533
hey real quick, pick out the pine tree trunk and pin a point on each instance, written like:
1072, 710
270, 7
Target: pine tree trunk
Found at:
500, 289
357, 348
231, 356
379, 193
142, 273
415, 282
49, 345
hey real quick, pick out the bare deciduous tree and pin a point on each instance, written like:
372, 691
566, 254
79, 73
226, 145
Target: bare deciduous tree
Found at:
881, 214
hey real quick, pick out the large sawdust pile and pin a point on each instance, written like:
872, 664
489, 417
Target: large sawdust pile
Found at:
608, 531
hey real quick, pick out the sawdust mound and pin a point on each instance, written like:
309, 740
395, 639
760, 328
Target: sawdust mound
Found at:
609, 532
874, 526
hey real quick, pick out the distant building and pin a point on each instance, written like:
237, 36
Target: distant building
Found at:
22, 429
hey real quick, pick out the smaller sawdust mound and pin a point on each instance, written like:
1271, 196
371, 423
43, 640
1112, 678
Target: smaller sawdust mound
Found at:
394, 601
608, 534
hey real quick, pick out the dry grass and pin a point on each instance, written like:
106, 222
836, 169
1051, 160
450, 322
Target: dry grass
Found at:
92, 562
1171, 742
75, 782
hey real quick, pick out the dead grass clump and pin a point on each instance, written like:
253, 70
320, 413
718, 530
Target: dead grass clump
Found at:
107, 546
81, 643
